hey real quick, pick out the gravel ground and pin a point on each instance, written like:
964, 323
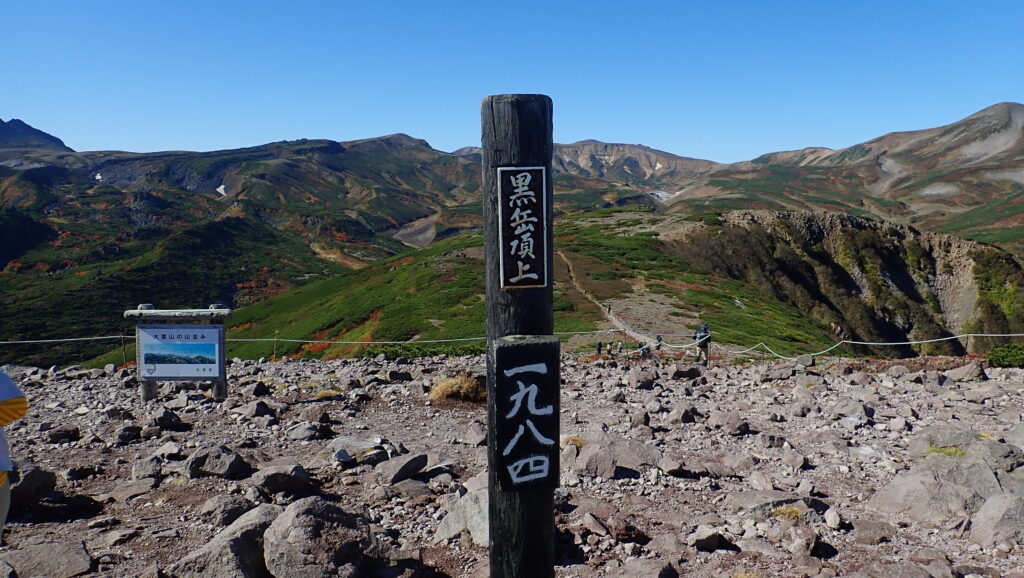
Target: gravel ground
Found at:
760, 469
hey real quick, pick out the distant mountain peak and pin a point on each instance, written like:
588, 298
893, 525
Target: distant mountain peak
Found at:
398, 139
17, 134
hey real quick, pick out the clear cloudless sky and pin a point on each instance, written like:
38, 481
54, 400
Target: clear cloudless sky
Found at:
726, 80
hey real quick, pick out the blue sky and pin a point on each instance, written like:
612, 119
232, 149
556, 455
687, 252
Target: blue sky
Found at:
725, 80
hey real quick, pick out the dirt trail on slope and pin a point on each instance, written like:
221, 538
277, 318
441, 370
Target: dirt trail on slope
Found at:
615, 321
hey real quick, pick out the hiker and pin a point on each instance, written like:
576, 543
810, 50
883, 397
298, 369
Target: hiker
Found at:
13, 406
598, 348
657, 345
644, 349
703, 338
619, 348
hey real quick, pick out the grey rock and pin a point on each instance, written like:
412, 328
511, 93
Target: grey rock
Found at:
127, 434
800, 540
760, 546
308, 431
951, 439
641, 378
54, 560
861, 378
969, 372
235, 552
873, 532
314, 538
117, 537
63, 434
469, 514
897, 371
257, 408
169, 451
759, 481
360, 450
476, 434
412, 489
760, 502
151, 467
634, 567
1000, 519
705, 539
833, 519
623, 452
217, 461
939, 489
639, 419
168, 420
34, 484
779, 373
680, 372
669, 546
729, 422
126, 491
400, 468
594, 524
224, 509
290, 479
594, 461
686, 413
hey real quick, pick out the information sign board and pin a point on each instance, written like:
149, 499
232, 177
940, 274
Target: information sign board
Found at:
180, 352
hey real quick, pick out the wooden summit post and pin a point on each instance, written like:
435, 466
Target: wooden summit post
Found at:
523, 372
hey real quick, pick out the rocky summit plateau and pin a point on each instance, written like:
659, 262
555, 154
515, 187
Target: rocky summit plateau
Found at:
805, 467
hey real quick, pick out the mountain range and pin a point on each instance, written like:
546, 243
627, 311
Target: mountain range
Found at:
111, 229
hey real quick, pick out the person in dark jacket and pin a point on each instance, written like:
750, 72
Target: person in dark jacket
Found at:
703, 338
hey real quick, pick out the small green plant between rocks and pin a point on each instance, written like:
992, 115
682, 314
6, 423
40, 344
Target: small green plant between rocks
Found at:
946, 450
1006, 356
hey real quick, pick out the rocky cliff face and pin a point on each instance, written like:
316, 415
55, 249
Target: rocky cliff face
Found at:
870, 280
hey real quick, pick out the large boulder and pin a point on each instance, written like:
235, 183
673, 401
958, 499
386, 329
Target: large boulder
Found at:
290, 479
236, 552
1000, 519
960, 441
217, 461
939, 489
34, 484
315, 538
970, 372
624, 452
469, 514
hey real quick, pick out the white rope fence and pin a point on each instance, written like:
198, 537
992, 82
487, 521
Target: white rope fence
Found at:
640, 350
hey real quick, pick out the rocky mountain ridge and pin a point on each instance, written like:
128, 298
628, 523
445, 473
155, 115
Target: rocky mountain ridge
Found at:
101, 225
16, 134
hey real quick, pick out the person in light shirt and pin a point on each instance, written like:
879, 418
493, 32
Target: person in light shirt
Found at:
13, 406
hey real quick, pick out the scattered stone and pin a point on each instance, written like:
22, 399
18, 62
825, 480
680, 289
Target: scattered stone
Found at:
54, 560
291, 479
969, 372
217, 461
400, 468
222, 510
